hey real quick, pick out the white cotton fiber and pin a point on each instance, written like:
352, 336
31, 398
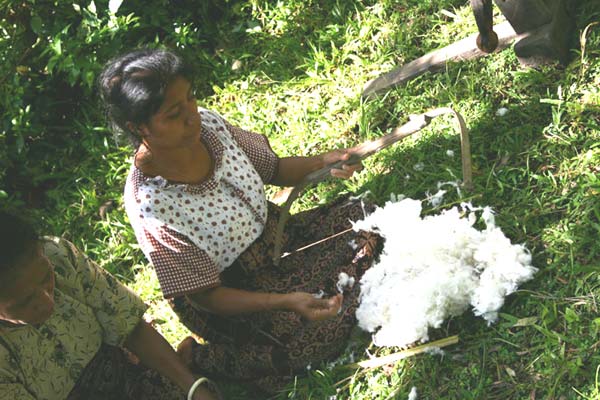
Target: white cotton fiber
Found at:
435, 267
413, 394
436, 199
501, 112
344, 282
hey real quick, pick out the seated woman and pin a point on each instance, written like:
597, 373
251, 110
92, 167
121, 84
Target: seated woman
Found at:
62, 322
195, 198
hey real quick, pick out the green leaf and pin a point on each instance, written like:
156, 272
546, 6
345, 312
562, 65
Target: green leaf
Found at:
571, 316
36, 24
51, 63
528, 321
57, 46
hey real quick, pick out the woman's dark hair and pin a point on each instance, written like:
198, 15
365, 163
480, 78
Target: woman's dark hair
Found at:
18, 238
133, 85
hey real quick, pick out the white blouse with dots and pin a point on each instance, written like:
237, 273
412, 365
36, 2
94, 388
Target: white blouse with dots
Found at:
191, 233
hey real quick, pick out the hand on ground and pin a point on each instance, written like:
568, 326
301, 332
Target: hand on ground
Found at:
184, 351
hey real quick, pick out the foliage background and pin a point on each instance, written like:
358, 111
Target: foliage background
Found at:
294, 71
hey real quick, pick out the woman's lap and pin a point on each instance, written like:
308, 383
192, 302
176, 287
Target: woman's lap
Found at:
281, 343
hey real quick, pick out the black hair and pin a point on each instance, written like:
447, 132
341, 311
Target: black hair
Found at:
18, 238
132, 87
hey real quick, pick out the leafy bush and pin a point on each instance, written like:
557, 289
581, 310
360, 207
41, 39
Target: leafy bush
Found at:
53, 52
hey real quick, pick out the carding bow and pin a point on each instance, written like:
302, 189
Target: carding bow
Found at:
364, 150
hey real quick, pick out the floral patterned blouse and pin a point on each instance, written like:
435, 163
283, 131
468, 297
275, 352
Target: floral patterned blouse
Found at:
191, 233
91, 307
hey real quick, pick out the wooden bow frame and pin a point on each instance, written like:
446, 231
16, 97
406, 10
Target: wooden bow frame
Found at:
364, 150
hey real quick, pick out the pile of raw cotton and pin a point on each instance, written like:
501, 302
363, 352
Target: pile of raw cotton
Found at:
433, 268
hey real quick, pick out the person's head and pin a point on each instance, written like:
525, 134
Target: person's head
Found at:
26, 275
148, 96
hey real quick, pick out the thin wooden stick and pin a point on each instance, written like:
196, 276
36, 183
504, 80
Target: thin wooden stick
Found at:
308, 246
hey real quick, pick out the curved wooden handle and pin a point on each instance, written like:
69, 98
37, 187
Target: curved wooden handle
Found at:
364, 150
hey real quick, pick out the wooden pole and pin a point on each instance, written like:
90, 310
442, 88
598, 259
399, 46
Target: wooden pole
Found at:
464, 49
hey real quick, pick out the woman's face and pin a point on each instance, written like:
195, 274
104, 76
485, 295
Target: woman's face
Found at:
29, 297
176, 124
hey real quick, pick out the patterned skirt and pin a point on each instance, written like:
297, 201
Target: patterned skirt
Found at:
113, 374
267, 349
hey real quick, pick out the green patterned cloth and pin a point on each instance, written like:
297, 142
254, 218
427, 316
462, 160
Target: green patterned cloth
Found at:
91, 307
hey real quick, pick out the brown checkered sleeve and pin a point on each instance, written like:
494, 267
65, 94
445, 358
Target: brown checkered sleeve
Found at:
181, 267
258, 150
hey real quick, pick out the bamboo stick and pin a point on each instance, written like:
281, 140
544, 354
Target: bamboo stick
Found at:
392, 358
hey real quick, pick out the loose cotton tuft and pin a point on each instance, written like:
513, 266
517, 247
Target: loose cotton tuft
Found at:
501, 112
344, 282
433, 268
413, 394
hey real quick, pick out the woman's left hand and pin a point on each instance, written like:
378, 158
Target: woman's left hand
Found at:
347, 170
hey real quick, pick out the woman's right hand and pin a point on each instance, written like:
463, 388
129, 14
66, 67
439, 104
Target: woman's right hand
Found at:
312, 308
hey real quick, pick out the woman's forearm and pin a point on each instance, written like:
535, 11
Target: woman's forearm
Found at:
156, 353
292, 170
228, 301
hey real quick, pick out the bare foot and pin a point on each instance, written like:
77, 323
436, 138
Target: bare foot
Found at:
184, 350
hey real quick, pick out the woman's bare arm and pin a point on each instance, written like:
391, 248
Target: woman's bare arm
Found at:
292, 170
228, 301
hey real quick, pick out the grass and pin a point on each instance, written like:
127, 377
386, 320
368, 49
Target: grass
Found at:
299, 71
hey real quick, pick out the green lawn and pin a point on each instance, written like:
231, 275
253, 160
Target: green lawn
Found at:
294, 70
